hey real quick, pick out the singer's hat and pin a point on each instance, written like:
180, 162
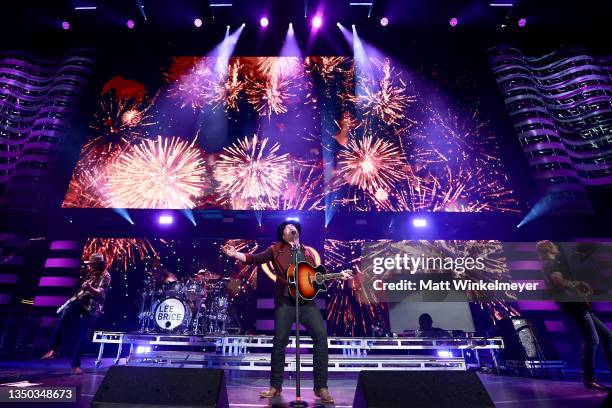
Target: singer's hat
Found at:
281, 228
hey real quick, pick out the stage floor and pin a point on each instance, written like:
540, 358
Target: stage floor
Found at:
243, 387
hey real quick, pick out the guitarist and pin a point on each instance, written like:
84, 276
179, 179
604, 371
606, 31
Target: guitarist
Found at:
573, 296
84, 307
282, 254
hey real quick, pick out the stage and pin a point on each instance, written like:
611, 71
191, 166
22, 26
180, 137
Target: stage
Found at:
431, 177
346, 353
243, 386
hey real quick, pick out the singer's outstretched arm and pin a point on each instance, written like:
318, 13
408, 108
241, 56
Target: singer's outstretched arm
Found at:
252, 259
259, 258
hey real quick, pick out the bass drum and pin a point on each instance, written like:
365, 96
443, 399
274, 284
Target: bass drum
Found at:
171, 315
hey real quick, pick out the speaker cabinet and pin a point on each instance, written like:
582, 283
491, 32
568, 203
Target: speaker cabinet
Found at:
423, 389
526, 339
125, 386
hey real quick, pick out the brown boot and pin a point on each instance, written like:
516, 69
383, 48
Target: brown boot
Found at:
76, 371
270, 393
48, 355
324, 395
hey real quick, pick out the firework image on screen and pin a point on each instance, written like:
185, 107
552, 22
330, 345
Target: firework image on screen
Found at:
354, 306
132, 260
286, 133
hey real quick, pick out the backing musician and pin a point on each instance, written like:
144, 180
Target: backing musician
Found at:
573, 296
282, 254
84, 307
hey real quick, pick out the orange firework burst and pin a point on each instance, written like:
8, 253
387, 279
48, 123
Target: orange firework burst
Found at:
122, 250
86, 189
249, 173
331, 69
371, 165
117, 123
196, 83
167, 173
226, 93
467, 190
383, 98
280, 67
271, 95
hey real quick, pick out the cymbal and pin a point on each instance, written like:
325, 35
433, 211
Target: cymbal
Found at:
207, 275
170, 277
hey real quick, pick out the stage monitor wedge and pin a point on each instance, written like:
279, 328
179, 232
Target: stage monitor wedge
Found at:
422, 389
140, 387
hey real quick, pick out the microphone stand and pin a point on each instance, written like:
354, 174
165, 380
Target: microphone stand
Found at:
298, 403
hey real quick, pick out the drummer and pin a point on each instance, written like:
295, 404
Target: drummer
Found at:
204, 276
160, 274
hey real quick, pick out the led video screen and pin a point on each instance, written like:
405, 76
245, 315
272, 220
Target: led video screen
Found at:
287, 133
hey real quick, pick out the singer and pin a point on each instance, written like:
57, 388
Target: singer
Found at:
282, 254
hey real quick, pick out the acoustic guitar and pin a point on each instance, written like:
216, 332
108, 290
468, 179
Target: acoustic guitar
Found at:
312, 280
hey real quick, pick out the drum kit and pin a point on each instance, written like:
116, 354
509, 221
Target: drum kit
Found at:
193, 305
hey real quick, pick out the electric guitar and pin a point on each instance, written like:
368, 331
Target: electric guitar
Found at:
79, 293
312, 280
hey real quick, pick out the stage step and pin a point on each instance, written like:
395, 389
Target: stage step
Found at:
261, 361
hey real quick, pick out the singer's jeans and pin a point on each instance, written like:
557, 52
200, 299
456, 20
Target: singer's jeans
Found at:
310, 317
73, 314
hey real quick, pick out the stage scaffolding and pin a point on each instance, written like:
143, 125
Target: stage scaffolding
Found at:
252, 352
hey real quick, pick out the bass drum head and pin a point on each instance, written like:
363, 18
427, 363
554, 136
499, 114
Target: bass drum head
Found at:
170, 314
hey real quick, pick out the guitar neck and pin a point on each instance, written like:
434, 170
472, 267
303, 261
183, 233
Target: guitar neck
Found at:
328, 276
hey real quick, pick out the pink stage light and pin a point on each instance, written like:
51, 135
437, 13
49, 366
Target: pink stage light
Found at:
197, 22
522, 22
130, 24
65, 25
453, 22
264, 22
384, 21
317, 22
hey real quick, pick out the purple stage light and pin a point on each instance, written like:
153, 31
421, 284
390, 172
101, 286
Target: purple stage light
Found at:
65, 25
264, 22
130, 24
166, 219
197, 22
453, 22
384, 21
419, 222
522, 22
317, 22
